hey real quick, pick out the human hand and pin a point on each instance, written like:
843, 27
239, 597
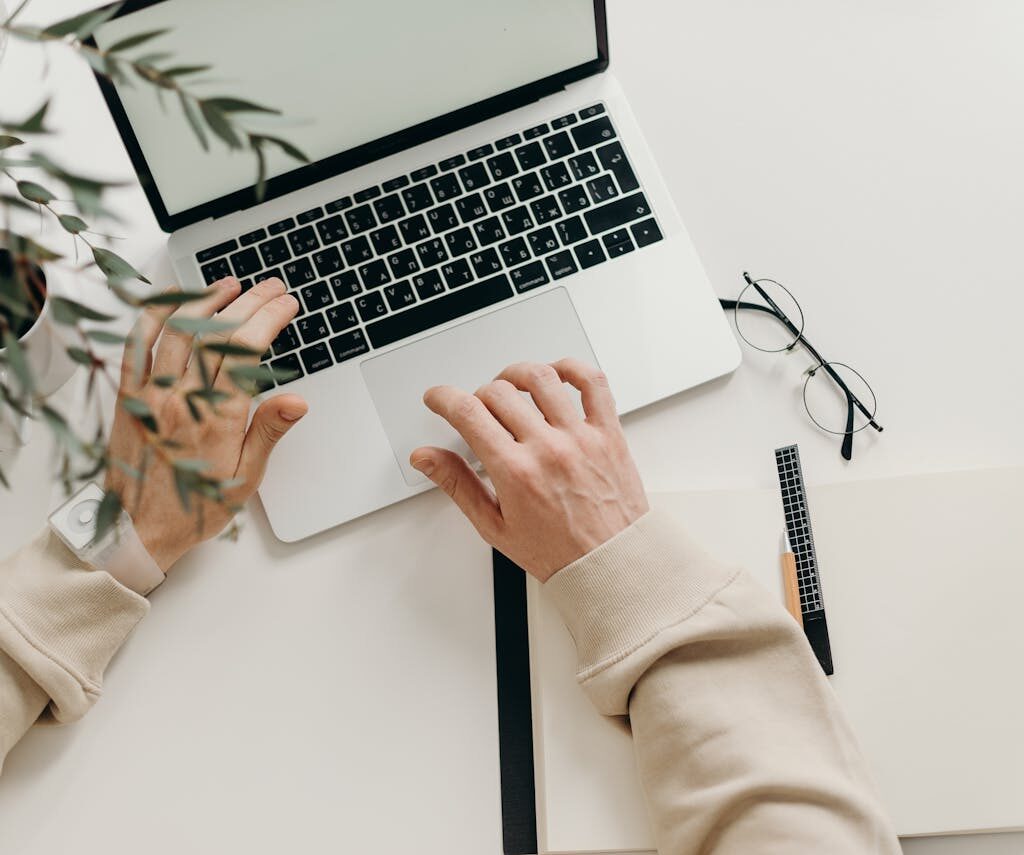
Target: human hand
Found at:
563, 485
165, 527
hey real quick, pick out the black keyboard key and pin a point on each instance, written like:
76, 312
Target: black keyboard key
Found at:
360, 219
432, 252
474, 177
460, 242
246, 263
216, 251
556, 176
619, 249
316, 358
417, 198
593, 133
443, 218
414, 229
481, 152
303, 241
367, 194
399, 295
558, 146
502, 166
453, 162
508, 142
565, 121
403, 263
332, 230
614, 159
499, 198
287, 367
515, 252
312, 328
349, 346
310, 216
317, 297
517, 221
646, 233
531, 156
246, 285
590, 254
616, 237
602, 189
471, 208
357, 251
287, 340
375, 274
299, 272
590, 112
274, 251
328, 261
485, 263
538, 131
574, 199
281, 226
396, 184
529, 277
618, 213
561, 264
543, 241
545, 210
346, 285
428, 284
528, 187
342, 317
386, 240
389, 208
457, 273
584, 166
571, 231
250, 238
433, 313
489, 231
446, 187
337, 205
424, 173
371, 306
274, 273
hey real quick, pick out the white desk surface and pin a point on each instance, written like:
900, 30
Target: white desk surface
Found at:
866, 154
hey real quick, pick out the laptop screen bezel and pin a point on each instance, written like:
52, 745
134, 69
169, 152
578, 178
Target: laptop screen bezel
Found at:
345, 161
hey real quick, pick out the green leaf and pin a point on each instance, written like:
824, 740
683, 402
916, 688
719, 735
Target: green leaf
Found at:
80, 356
24, 247
165, 381
191, 465
261, 172
136, 40
61, 429
197, 326
7, 141
114, 267
184, 70
7, 201
141, 411
174, 298
4, 481
72, 224
82, 25
183, 483
69, 312
130, 471
258, 378
105, 337
237, 105
16, 360
226, 348
107, 514
219, 124
35, 192
211, 396
285, 146
195, 122
34, 124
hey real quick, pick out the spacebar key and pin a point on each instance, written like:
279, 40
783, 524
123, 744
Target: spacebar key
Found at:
618, 213
436, 312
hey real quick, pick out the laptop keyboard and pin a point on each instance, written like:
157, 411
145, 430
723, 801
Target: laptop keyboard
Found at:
423, 249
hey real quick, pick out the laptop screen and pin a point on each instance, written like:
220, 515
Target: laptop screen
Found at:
343, 73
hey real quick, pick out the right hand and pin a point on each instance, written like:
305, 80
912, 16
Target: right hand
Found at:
563, 485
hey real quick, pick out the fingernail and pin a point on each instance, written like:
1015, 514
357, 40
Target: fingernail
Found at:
288, 300
424, 465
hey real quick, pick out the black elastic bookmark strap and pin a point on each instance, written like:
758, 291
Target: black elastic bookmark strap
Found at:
515, 709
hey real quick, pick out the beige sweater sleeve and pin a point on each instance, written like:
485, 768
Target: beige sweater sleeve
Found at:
740, 743
60, 625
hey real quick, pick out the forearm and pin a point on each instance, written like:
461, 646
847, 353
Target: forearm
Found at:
739, 741
60, 624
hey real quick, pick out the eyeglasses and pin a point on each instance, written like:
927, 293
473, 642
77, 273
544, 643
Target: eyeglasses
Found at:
837, 398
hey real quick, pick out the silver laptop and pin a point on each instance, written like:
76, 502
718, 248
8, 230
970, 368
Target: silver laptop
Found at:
479, 194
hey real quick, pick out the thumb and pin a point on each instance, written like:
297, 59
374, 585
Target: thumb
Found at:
455, 476
271, 421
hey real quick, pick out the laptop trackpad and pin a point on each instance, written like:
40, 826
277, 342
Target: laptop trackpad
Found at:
542, 329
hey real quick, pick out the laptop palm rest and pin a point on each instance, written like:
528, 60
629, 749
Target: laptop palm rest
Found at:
542, 329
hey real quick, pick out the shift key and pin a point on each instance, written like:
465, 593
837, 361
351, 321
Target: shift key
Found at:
617, 213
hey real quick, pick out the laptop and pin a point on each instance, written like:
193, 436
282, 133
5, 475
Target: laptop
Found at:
479, 194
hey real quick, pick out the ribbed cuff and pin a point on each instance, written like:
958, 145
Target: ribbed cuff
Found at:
617, 598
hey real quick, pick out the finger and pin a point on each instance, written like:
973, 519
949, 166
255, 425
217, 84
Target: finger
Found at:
240, 311
271, 421
453, 474
138, 349
175, 347
547, 389
598, 401
256, 334
516, 414
474, 422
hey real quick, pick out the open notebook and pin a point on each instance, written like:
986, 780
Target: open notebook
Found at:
923, 584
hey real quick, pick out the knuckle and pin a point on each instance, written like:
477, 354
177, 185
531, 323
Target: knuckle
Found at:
466, 408
450, 483
599, 379
271, 432
542, 375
